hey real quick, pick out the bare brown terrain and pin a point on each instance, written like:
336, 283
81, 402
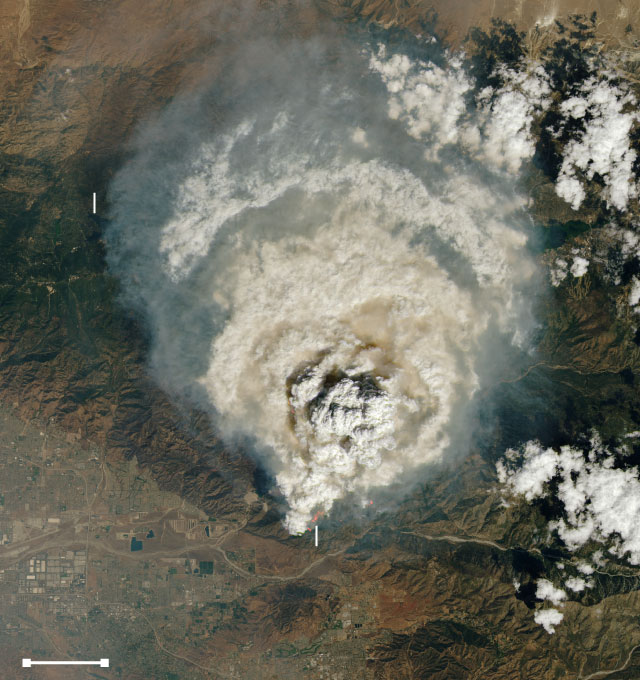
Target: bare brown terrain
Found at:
618, 22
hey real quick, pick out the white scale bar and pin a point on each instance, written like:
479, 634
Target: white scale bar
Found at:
316, 536
94, 203
28, 663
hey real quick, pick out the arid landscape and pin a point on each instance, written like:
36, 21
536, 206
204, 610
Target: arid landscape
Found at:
131, 529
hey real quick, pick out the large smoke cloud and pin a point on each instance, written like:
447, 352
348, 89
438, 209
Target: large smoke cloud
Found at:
321, 260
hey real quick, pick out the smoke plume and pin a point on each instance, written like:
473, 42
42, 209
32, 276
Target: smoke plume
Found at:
323, 243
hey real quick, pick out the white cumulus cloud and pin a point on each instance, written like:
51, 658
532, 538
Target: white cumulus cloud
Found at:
609, 112
431, 101
508, 113
585, 568
579, 267
548, 619
547, 591
577, 584
601, 502
558, 271
634, 293
428, 99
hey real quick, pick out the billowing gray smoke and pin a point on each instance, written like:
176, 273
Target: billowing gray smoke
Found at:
323, 244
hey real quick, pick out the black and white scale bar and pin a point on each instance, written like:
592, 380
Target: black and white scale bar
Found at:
28, 663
